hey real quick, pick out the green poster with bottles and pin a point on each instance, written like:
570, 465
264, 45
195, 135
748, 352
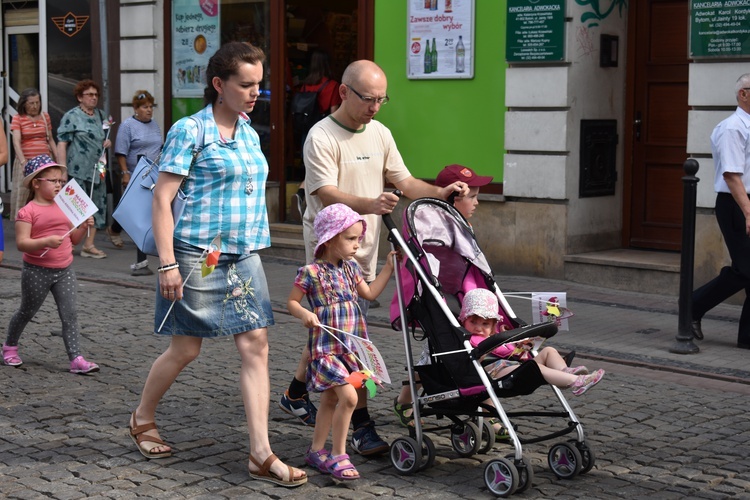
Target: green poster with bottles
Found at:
535, 31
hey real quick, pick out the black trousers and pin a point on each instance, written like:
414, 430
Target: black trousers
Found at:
732, 278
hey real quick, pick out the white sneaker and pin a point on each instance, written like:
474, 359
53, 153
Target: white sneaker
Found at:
139, 265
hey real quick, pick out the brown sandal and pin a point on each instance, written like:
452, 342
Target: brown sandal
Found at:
264, 473
115, 238
136, 435
92, 252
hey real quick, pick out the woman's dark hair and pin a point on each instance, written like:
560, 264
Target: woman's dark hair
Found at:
84, 85
320, 66
225, 62
25, 94
142, 97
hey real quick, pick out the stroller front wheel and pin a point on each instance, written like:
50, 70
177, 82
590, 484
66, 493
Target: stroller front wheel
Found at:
501, 477
565, 460
406, 455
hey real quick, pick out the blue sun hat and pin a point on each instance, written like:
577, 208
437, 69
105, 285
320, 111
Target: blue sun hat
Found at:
36, 165
332, 220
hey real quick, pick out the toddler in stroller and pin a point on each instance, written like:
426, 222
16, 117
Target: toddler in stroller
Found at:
480, 317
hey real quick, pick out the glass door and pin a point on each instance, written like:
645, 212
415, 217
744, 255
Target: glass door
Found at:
22, 67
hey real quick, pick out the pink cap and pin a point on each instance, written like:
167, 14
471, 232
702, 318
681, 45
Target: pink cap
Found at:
332, 220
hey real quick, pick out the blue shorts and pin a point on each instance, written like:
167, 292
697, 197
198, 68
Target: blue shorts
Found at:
232, 299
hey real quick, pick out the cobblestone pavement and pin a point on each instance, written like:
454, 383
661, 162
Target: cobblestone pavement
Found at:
678, 431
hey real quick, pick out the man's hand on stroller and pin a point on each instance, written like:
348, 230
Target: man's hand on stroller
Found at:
459, 188
384, 204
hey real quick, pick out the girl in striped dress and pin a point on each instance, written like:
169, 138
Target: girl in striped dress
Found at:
332, 283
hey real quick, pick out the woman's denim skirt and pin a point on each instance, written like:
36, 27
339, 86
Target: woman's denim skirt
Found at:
230, 300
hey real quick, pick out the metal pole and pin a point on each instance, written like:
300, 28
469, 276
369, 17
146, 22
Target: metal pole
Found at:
105, 53
683, 343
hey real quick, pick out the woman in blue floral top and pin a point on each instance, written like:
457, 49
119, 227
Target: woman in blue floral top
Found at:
82, 138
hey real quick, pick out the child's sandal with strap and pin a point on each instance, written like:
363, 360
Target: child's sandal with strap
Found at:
10, 355
334, 466
317, 459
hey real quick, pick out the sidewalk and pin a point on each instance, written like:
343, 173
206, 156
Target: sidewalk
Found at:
660, 434
611, 325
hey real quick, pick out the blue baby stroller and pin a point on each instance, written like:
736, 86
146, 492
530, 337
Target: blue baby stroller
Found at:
442, 261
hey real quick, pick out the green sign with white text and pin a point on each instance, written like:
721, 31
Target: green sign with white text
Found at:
535, 31
719, 28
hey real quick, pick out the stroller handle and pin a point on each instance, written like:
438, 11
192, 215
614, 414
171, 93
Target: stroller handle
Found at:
387, 219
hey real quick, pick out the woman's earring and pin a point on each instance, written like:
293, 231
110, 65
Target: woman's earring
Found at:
221, 99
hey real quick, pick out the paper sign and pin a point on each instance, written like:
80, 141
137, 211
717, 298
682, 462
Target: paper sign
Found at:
550, 306
369, 355
74, 203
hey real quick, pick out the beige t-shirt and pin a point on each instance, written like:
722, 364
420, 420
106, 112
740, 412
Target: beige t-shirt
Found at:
357, 163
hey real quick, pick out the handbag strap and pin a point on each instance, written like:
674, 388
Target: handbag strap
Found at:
46, 126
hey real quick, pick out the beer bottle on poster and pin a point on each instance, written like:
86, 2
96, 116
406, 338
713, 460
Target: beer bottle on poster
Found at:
434, 56
448, 6
460, 55
428, 4
433, 5
427, 59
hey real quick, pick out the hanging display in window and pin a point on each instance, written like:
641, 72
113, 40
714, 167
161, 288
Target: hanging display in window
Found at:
440, 39
195, 37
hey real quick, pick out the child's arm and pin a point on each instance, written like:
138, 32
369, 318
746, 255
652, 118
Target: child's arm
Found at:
374, 289
293, 305
505, 350
25, 243
78, 233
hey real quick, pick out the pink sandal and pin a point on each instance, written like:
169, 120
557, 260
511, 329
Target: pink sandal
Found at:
80, 365
10, 355
333, 464
318, 459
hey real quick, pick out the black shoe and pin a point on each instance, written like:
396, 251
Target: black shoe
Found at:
695, 327
366, 441
743, 346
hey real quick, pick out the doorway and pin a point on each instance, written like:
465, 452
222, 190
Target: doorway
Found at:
23, 67
657, 108
336, 28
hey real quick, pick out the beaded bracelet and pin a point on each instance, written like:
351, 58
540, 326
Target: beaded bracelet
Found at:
168, 267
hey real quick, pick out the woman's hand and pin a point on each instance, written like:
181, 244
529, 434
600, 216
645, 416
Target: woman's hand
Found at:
125, 178
170, 284
107, 143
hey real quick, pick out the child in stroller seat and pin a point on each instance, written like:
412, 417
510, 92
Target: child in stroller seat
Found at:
479, 316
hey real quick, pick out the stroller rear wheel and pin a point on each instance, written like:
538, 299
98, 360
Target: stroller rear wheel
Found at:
466, 439
501, 477
564, 460
407, 457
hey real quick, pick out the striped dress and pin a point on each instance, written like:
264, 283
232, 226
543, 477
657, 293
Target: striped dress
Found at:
332, 293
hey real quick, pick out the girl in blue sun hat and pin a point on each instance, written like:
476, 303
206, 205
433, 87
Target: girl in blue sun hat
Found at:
332, 284
43, 235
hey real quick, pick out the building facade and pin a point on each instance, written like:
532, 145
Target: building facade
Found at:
587, 150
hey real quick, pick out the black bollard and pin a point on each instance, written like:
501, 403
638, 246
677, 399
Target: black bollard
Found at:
684, 340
